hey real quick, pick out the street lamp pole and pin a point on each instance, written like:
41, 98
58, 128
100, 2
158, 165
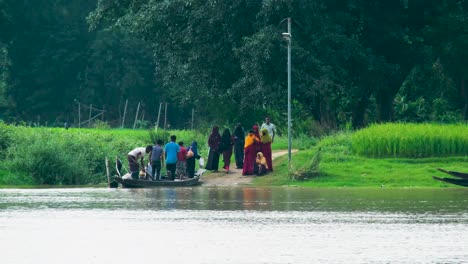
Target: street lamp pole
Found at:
288, 37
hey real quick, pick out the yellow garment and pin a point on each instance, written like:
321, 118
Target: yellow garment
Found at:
265, 136
261, 159
250, 139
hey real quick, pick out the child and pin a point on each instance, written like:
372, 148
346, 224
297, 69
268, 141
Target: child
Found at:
261, 165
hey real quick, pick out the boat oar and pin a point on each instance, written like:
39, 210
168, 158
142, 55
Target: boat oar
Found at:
141, 168
146, 173
151, 177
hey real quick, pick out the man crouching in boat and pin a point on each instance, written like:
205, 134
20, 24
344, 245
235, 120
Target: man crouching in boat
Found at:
133, 157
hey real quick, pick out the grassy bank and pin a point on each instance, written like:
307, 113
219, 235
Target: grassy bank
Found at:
56, 156
343, 162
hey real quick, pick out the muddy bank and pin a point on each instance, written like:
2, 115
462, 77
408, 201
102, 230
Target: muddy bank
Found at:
234, 177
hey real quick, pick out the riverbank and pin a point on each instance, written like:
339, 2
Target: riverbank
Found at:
235, 177
354, 172
339, 167
399, 156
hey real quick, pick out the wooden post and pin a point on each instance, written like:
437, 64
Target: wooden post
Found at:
79, 115
125, 112
193, 113
107, 171
90, 111
165, 118
157, 122
136, 116
142, 118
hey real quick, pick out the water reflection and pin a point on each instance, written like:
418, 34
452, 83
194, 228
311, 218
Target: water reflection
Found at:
234, 225
425, 200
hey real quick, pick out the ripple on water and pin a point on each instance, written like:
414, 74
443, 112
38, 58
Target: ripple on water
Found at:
231, 226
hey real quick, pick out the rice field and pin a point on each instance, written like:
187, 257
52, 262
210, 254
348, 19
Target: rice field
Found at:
411, 140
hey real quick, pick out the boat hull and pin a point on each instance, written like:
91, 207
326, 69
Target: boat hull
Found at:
462, 175
460, 182
130, 183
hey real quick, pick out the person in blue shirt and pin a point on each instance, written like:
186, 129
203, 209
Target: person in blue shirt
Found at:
157, 156
191, 160
171, 149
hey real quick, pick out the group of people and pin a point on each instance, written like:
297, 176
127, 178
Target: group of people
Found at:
179, 160
252, 153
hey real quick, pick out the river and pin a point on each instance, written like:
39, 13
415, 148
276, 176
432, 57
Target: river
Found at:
234, 225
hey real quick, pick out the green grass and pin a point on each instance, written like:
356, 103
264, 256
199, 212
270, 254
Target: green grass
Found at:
341, 167
411, 140
359, 171
40, 155
300, 142
76, 156
55, 156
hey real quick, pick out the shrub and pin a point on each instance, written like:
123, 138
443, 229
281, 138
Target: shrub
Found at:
98, 124
5, 138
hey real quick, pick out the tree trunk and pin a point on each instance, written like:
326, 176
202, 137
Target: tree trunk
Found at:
359, 112
464, 94
327, 117
385, 105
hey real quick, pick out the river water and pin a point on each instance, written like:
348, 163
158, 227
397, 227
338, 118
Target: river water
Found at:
234, 225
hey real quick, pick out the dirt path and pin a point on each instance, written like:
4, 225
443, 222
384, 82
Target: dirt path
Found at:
234, 177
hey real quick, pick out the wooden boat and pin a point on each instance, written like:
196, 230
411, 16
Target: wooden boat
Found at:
462, 175
131, 183
461, 182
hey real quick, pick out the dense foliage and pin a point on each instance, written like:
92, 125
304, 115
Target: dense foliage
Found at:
355, 62
69, 157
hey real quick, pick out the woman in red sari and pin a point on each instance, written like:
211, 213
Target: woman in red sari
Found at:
250, 153
266, 147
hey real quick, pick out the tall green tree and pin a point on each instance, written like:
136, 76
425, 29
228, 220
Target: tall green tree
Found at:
194, 46
119, 67
353, 61
449, 36
46, 51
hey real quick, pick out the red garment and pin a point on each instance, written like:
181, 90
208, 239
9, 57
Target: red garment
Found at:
249, 159
182, 154
266, 150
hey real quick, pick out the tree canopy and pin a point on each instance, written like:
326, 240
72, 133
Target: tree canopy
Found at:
354, 62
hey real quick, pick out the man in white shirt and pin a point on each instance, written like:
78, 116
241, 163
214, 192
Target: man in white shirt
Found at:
270, 127
133, 157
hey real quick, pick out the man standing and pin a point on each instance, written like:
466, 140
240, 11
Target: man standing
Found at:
157, 156
171, 149
133, 157
270, 127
